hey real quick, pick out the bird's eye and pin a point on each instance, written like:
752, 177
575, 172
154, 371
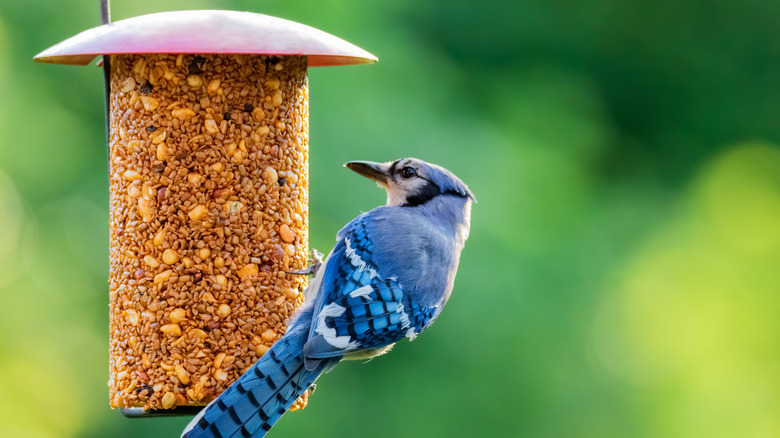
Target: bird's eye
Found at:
408, 172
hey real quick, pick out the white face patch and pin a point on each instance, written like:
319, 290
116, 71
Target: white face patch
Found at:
399, 189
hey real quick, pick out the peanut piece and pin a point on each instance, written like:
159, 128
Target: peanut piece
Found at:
273, 83
276, 99
151, 261
233, 206
262, 131
199, 333
197, 212
170, 256
133, 191
131, 175
128, 85
182, 375
168, 400
247, 271
171, 329
159, 238
258, 114
211, 126
159, 136
162, 277
261, 349
194, 81
269, 335
194, 178
132, 317
270, 175
218, 360
183, 113
145, 209
291, 293
213, 87
150, 103
286, 234
177, 315
162, 152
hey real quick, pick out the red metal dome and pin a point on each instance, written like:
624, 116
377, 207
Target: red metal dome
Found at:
206, 32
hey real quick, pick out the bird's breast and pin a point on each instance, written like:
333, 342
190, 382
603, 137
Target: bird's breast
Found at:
368, 354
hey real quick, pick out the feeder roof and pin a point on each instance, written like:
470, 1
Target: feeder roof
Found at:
206, 32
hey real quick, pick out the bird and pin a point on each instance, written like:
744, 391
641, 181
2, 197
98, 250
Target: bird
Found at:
387, 278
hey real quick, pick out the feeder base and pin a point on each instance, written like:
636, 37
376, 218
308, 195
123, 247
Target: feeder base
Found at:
180, 411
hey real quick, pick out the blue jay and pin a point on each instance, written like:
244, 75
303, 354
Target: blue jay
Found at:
387, 278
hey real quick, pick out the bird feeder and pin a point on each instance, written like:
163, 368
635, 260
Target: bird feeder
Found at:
208, 169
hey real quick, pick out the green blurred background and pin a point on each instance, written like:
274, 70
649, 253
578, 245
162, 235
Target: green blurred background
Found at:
622, 275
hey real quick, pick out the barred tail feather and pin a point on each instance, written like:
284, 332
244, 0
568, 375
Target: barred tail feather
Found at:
257, 400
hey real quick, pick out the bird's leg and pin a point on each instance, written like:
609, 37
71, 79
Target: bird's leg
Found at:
314, 266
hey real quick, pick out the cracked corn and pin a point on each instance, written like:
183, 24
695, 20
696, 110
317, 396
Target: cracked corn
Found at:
209, 180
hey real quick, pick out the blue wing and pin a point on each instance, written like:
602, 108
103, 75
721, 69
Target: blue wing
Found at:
357, 308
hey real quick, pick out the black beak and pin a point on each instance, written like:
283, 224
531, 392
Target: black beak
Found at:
379, 172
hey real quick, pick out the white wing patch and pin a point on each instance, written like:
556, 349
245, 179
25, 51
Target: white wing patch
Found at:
406, 323
333, 310
364, 292
357, 261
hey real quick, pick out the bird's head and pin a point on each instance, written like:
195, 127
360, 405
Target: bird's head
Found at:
410, 182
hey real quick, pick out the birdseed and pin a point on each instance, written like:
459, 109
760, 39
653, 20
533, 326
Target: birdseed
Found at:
208, 210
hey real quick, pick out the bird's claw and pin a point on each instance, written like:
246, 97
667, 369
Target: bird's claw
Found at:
314, 266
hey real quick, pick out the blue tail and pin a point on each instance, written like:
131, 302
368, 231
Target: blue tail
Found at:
257, 400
